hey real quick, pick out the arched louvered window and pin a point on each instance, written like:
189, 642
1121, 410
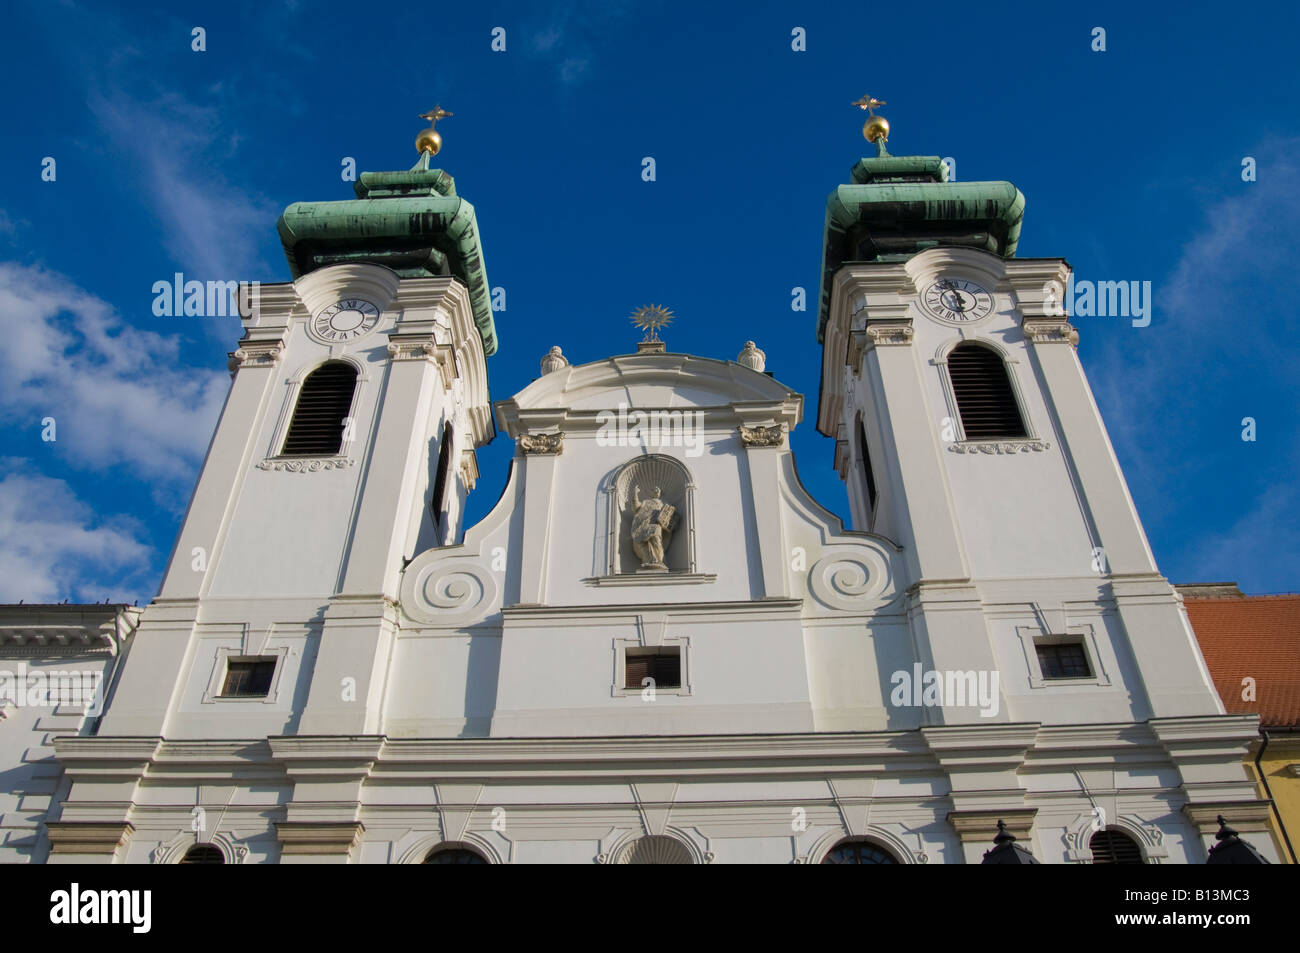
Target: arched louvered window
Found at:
985, 398
858, 852
443, 479
203, 854
320, 417
868, 475
1114, 847
454, 855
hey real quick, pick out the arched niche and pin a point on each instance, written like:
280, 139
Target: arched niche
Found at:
643, 476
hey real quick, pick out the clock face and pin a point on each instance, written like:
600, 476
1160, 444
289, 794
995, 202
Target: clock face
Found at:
957, 301
344, 320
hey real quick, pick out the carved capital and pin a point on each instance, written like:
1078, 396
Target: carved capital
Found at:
889, 335
411, 350
311, 837
254, 354
1051, 332
87, 837
773, 436
977, 827
542, 443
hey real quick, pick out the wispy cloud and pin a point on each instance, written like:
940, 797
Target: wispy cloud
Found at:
1174, 392
207, 221
118, 394
56, 548
571, 34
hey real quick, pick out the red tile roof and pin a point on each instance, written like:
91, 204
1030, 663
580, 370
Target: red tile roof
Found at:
1252, 637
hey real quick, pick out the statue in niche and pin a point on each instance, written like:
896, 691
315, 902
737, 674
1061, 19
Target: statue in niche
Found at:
653, 522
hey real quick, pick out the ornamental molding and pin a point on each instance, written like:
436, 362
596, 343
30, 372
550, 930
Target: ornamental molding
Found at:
88, 837
873, 834
999, 446
318, 838
889, 335
306, 464
773, 436
979, 827
1078, 835
1051, 332
174, 850
542, 443
266, 354
1245, 816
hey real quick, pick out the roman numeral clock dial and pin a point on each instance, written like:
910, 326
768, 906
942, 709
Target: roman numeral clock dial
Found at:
957, 301
344, 320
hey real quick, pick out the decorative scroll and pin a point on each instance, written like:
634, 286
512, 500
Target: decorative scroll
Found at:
849, 577
306, 464
1001, 446
450, 592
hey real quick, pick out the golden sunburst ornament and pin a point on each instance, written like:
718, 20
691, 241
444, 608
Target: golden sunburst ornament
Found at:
650, 318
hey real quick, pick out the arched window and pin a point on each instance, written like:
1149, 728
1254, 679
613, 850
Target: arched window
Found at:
858, 852
454, 855
438, 502
320, 417
655, 849
864, 463
203, 854
1114, 847
985, 398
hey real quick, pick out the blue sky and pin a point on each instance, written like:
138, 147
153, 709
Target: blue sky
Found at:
174, 160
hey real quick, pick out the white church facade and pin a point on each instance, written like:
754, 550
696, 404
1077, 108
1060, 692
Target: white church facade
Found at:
657, 647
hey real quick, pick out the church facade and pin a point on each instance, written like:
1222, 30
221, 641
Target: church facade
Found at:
657, 647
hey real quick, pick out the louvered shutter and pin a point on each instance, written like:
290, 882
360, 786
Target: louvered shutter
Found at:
985, 400
323, 406
638, 667
1114, 847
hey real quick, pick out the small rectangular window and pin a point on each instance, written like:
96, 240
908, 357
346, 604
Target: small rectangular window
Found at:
248, 678
664, 665
1063, 660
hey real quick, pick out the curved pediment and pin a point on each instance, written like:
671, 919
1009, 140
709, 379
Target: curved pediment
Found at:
645, 380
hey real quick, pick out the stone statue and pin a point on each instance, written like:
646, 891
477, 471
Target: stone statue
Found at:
653, 522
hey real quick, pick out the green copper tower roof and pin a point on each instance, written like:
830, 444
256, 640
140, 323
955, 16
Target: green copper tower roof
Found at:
412, 222
897, 206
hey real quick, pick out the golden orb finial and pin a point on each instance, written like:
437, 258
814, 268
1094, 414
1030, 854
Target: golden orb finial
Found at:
429, 140
876, 128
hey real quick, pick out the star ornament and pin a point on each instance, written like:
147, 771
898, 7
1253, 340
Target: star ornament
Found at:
650, 318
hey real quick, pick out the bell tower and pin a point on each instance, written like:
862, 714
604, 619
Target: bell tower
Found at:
345, 447
966, 432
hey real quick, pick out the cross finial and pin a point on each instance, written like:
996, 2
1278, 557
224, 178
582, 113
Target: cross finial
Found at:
434, 114
870, 104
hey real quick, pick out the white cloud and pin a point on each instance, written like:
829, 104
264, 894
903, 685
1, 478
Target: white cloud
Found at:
55, 548
118, 394
210, 226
